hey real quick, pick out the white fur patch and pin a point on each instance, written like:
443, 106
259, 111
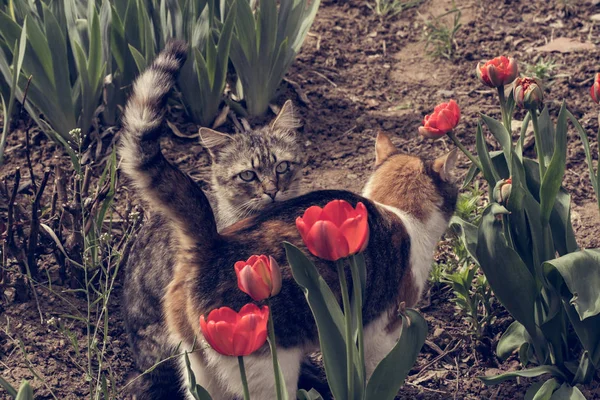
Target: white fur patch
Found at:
220, 374
424, 238
378, 341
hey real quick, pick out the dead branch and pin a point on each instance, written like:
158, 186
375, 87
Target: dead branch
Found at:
35, 225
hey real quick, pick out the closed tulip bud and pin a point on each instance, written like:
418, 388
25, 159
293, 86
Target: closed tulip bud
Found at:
528, 93
334, 231
502, 190
498, 72
259, 277
236, 334
444, 118
595, 89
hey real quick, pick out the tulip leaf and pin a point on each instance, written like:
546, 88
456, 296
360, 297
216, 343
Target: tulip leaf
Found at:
581, 274
553, 177
511, 340
588, 155
489, 172
25, 392
527, 373
547, 135
567, 392
384, 384
585, 370
508, 276
328, 317
500, 133
542, 390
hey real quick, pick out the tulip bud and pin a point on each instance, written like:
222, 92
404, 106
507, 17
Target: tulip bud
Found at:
528, 93
259, 277
502, 190
595, 89
498, 72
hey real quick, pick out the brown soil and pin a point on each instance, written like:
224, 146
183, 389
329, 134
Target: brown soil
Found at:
360, 74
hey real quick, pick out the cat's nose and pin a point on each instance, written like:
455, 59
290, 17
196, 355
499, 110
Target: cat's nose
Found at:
271, 193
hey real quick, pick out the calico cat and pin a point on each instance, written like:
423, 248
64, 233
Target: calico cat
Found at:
250, 171
409, 201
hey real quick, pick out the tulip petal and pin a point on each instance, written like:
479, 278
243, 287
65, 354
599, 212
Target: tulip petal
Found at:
324, 240
251, 283
223, 314
222, 337
275, 276
312, 215
430, 133
337, 211
356, 231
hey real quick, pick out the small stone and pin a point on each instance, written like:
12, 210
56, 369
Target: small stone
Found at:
438, 332
445, 93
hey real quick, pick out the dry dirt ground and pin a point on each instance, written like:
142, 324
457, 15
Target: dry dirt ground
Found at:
357, 74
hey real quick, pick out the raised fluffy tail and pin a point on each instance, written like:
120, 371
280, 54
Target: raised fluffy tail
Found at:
163, 186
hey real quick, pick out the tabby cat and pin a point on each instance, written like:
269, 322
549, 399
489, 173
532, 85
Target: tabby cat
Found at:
409, 201
250, 171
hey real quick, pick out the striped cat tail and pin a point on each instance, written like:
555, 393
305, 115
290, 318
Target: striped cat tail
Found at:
163, 186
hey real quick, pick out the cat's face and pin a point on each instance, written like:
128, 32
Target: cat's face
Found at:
254, 169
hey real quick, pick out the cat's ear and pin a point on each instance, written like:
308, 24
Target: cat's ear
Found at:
445, 164
383, 148
286, 119
214, 141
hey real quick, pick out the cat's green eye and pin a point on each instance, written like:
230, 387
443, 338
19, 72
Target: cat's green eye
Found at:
282, 167
247, 176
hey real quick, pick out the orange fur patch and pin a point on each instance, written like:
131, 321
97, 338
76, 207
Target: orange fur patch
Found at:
402, 182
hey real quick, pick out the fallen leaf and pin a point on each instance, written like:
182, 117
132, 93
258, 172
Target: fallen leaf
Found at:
566, 45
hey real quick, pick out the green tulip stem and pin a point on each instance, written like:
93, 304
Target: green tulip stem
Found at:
243, 375
272, 343
357, 290
538, 143
348, 321
462, 148
505, 119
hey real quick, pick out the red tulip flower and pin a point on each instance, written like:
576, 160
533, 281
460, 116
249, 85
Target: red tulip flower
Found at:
236, 334
444, 118
259, 277
595, 89
334, 231
498, 72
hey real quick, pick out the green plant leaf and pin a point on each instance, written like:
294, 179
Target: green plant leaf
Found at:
197, 391
328, 317
467, 233
556, 169
310, 395
511, 340
580, 271
25, 392
508, 276
527, 373
585, 370
489, 172
501, 135
12, 392
547, 135
542, 391
140, 61
567, 392
390, 373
